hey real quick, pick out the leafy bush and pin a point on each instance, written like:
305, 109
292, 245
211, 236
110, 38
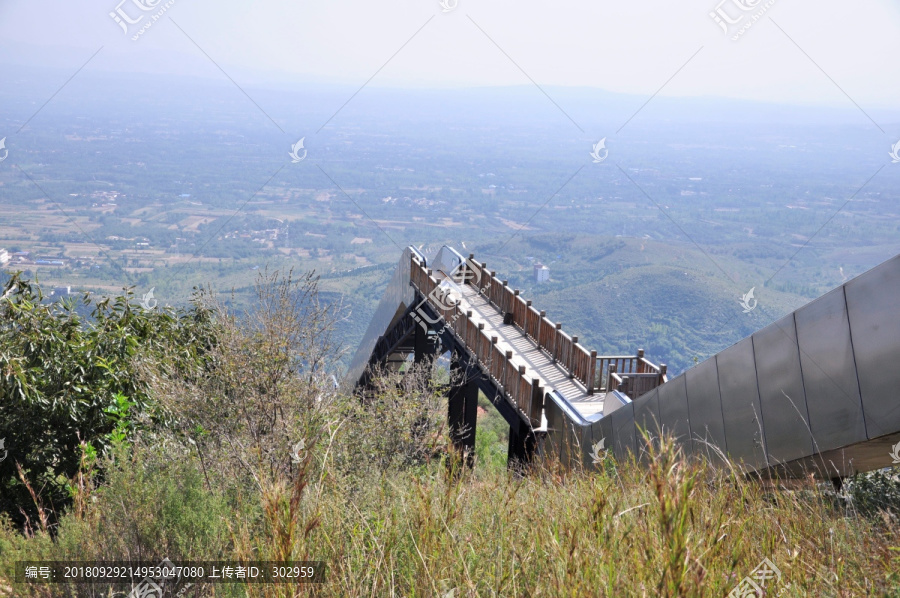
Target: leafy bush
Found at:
261, 457
876, 493
67, 379
153, 504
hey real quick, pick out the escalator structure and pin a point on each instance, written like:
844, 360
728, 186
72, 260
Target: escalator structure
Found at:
816, 392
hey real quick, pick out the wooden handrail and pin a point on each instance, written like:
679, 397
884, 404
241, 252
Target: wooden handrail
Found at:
596, 373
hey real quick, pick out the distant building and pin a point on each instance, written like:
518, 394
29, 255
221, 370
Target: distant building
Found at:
541, 273
4, 257
61, 291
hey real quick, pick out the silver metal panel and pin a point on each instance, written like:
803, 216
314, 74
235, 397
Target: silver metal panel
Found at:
873, 304
446, 260
674, 414
564, 429
646, 413
613, 400
398, 296
740, 404
707, 425
829, 373
781, 394
646, 420
603, 430
623, 431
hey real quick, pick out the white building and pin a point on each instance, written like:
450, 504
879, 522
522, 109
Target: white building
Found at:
541, 273
4, 257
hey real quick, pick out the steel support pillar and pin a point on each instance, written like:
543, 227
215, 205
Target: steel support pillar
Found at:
457, 403
462, 412
424, 345
522, 443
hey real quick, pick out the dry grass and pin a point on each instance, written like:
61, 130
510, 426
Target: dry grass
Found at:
369, 491
668, 528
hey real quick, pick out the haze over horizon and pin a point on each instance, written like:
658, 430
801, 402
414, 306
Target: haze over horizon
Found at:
825, 54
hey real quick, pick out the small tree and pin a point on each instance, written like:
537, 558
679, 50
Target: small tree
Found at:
68, 379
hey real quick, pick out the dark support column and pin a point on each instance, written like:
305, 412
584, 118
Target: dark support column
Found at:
521, 446
424, 347
462, 411
470, 421
457, 403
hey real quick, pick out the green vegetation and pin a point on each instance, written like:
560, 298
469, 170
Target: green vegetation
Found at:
69, 387
491, 437
195, 191
253, 454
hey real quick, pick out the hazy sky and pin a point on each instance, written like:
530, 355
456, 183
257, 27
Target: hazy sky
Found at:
624, 46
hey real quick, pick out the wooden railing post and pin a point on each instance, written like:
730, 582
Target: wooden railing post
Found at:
479, 341
592, 372
639, 366
537, 402
513, 307
505, 303
504, 373
555, 351
571, 359
519, 399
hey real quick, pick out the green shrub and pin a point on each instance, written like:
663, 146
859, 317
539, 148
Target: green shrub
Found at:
153, 504
876, 493
262, 459
65, 379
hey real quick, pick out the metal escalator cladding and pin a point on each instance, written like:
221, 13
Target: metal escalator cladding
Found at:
820, 384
